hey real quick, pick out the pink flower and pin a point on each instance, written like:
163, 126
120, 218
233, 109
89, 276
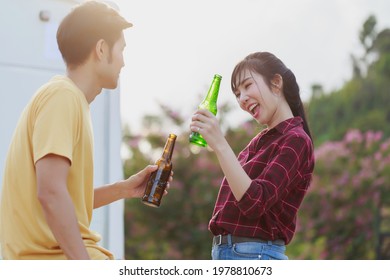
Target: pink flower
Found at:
372, 137
353, 135
385, 146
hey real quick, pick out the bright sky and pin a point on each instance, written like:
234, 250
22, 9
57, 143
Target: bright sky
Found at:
176, 46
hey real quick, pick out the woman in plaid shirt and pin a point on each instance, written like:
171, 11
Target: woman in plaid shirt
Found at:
255, 213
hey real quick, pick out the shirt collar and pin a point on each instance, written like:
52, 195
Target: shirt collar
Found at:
287, 125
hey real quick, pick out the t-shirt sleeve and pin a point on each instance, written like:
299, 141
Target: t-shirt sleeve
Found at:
55, 128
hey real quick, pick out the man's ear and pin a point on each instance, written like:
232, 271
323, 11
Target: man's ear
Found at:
100, 49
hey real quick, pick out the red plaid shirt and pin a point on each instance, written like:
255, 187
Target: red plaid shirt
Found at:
280, 162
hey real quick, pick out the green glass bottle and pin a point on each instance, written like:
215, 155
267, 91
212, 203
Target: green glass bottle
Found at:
209, 103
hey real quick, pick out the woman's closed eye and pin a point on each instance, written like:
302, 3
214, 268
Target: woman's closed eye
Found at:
247, 85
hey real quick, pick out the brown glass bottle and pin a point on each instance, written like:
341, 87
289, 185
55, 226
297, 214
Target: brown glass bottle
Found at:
158, 180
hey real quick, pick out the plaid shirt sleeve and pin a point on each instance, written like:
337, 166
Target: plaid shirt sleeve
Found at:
276, 180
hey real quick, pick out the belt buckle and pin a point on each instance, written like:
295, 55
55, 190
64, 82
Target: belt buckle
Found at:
218, 240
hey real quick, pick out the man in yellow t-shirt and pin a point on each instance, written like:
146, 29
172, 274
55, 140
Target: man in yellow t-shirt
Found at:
48, 195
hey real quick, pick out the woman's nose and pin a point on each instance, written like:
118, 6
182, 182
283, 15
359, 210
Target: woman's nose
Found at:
243, 98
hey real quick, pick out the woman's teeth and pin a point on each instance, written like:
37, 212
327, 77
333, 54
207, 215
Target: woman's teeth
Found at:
252, 108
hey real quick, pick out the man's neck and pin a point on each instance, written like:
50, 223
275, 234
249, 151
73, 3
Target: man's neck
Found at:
85, 80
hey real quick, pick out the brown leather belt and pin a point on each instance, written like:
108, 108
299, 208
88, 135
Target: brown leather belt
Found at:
223, 239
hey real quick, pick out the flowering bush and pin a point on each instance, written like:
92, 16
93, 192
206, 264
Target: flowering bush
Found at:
351, 183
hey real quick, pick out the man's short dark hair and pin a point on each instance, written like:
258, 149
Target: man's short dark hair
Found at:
84, 26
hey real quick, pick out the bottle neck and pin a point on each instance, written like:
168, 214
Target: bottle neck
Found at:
169, 146
212, 94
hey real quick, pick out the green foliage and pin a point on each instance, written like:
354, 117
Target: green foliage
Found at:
363, 102
367, 34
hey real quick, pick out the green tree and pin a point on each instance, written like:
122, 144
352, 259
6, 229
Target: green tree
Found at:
362, 103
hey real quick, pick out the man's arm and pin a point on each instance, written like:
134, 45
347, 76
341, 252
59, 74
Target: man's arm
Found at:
52, 173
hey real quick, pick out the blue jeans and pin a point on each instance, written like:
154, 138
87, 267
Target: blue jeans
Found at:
249, 251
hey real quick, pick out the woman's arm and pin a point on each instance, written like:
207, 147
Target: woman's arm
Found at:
238, 179
275, 178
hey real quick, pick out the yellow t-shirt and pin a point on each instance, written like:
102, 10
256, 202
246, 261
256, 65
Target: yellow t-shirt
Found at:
56, 121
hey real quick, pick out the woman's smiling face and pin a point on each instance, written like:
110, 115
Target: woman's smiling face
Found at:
255, 97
